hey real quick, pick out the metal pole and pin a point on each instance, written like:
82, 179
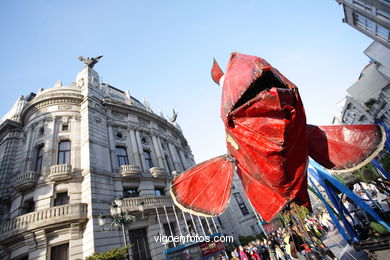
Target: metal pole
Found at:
201, 225
193, 223
161, 228
215, 226
125, 240
169, 225
177, 220
208, 225
185, 222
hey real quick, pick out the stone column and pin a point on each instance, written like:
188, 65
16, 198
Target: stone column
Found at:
141, 150
28, 149
134, 148
114, 161
183, 160
50, 147
160, 159
175, 159
76, 142
37, 245
75, 243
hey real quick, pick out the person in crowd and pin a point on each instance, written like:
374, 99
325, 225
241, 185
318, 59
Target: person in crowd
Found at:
234, 256
242, 253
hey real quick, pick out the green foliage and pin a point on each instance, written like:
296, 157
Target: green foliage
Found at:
366, 174
113, 254
244, 240
385, 161
370, 103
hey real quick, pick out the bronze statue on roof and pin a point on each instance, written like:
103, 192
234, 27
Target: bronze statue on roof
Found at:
90, 61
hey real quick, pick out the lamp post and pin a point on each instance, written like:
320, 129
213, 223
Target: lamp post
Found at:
120, 219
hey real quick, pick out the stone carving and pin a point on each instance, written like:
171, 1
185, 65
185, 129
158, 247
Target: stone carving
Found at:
90, 61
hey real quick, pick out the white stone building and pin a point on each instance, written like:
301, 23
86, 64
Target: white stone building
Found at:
68, 151
368, 98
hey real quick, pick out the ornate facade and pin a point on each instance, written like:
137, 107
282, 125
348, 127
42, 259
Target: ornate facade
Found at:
67, 152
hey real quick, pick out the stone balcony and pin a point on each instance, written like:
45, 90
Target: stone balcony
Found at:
157, 171
25, 180
148, 202
130, 170
60, 172
43, 219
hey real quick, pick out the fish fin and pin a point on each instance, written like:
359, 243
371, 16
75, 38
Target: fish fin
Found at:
267, 201
216, 72
345, 148
205, 189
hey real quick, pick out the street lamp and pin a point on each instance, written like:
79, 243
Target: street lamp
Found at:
120, 219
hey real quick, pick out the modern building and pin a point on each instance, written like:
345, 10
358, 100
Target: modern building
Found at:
371, 17
68, 151
368, 99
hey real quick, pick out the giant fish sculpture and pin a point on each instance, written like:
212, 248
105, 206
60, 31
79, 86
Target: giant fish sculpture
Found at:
268, 143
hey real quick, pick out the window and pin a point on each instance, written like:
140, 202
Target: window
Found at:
382, 32
241, 204
129, 193
60, 252
61, 199
64, 152
148, 159
65, 126
159, 192
349, 117
38, 159
121, 154
364, 22
28, 206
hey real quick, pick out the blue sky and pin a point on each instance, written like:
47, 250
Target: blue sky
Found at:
163, 50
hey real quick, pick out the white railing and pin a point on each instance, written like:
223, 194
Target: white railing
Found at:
42, 218
60, 172
150, 202
25, 180
130, 170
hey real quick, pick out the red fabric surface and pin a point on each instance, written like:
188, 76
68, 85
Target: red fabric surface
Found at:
206, 187
267, 136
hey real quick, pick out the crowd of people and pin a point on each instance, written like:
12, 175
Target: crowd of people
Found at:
291, 243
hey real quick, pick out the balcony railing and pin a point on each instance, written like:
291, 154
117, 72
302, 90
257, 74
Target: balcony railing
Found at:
43, 218
60, 172
132, 204
130, 170
26, 180
157, 171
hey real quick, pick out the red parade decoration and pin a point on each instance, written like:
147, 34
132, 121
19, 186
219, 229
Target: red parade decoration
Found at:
268, 143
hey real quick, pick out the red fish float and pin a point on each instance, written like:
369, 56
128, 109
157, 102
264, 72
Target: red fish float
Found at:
268, 143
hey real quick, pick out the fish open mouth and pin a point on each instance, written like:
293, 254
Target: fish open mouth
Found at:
265, 82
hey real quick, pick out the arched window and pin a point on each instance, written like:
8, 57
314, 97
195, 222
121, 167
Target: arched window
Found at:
64, 152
